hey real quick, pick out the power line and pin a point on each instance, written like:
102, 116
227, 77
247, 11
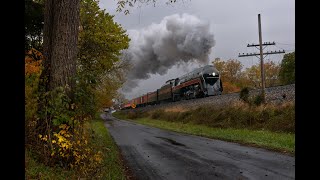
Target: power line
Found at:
293, 44
285, 49
279, 47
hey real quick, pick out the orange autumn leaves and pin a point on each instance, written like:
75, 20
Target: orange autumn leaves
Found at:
230, 88
33, 60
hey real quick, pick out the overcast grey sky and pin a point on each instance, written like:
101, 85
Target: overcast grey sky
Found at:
234, 24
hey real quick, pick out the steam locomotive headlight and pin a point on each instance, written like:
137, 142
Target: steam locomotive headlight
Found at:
213, 74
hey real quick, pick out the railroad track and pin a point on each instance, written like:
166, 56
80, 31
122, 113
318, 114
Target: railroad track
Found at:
276, 94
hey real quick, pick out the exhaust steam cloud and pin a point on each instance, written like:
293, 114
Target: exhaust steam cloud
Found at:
176, 40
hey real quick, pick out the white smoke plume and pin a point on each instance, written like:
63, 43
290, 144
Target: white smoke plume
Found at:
176, 40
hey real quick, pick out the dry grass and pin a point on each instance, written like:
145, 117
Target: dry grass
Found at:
239, 115
175, 109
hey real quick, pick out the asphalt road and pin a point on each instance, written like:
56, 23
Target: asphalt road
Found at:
152, 153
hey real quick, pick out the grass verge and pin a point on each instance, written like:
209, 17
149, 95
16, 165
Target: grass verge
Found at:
37, 170
281, 142
112, 167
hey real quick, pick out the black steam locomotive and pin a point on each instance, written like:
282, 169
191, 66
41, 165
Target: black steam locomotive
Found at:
201, 82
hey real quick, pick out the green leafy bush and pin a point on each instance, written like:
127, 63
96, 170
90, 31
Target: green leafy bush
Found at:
244, 94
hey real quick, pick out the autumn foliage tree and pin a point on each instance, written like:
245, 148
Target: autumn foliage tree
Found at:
79, 72
33, 68
234, 78
99, 68
230, 72
33, 60
287, 70
230, 88
253, 74
55, 99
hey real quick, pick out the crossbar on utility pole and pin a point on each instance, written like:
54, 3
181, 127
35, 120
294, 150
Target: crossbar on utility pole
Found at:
258, 54
266, 43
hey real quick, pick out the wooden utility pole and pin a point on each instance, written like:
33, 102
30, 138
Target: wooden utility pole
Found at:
261, 55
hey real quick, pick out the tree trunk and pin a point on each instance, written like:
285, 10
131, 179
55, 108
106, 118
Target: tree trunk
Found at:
60, 38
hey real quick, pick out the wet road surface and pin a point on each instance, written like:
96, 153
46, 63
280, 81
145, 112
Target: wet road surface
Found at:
152, 153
